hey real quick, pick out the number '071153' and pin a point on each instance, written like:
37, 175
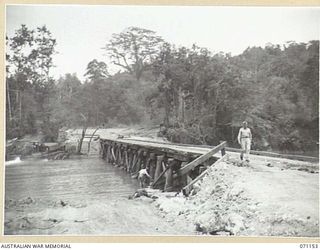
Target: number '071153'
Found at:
309, 246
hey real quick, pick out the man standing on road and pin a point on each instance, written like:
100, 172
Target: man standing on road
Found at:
244, 139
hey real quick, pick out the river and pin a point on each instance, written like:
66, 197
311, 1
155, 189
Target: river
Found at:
85, 178
79, 196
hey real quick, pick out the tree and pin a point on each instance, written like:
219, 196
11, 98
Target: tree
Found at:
134, 49
65, 99
193, 84
96, 70
30, 60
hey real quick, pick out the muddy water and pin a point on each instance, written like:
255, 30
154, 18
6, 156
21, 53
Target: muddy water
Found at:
81, 179
94, 195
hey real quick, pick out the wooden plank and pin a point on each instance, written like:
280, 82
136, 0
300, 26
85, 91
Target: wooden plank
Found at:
172, 153
186, 190
159, 177
190, 166
168, 148
253, 152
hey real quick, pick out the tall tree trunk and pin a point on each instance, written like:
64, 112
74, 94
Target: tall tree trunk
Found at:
20, 112
81, 139
214, 109
180, 108
83, 132
167, 109
9, 102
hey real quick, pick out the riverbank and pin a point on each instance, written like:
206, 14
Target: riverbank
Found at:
255, 200
110, 217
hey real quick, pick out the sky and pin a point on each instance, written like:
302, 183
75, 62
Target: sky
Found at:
82, 30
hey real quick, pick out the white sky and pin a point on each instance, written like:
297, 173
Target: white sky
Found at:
81, 31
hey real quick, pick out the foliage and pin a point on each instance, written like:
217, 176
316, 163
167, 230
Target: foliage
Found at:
29, 85
134, 49
199, 96
205, 96
96, 70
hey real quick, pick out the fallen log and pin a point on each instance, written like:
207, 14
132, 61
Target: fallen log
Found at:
51, 154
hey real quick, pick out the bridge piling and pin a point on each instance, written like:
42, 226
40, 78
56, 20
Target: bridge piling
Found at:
170, 169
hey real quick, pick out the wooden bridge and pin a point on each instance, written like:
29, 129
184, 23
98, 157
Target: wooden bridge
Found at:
171, 166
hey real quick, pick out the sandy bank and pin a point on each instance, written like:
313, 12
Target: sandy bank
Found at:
257, 200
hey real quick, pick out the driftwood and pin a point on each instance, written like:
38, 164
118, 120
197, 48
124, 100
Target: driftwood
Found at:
57, 155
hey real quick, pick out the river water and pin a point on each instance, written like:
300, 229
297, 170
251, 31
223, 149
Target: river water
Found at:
82, 178
79, 196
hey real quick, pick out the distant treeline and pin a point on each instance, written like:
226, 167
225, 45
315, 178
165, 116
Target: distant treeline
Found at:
196, 95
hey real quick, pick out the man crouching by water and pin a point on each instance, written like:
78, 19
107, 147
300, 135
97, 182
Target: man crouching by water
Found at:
144, 178
244, 139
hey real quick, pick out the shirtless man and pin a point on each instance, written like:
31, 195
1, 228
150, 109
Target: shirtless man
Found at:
244, 139
143, 178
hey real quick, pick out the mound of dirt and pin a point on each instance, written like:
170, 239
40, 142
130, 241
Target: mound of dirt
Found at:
249, 201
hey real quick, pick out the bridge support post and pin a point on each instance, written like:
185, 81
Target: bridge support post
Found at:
130, 156
106, 148
101, 151
134, 160
118, 155
152, 164
158, 166
110, 157
169, 178
137, 166
122, 159
113, 153
126, 160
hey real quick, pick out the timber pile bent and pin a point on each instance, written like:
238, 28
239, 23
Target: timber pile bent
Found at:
171, 167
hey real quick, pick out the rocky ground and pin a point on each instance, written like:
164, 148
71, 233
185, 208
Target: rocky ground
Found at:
254, 200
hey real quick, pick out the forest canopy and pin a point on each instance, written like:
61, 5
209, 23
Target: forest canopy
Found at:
199, 96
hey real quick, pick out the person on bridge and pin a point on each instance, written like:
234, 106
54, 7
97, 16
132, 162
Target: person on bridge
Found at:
244, 139
144, 178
